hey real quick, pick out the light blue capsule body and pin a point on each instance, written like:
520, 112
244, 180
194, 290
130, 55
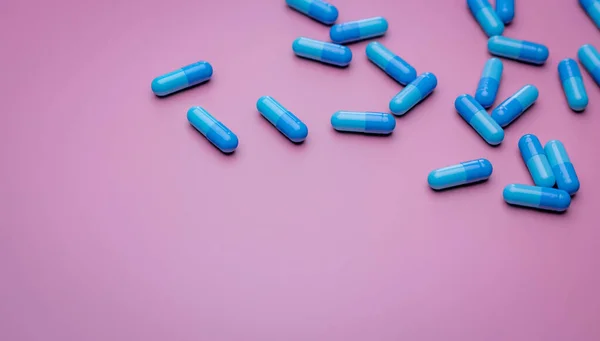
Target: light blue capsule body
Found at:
413, 93
542, 198
472, 112
460, 174
520, 50
392, 64
487, 89
214, 131
537, 163
183, 78
321, 51
592, 8
319, 10
363, 122
486, 17
358, 30
505, 10
286, 122
590, 58
566, 178
572, 83
514, 106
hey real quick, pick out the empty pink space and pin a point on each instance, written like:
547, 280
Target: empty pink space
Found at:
119, 221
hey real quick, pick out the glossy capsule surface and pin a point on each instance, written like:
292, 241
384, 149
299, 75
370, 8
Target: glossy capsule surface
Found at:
505, 10
592, 8
460, 174
537, 163
214, 131
520, 50
487, 89
393, 65
472, 112
319, 10
363, 122
286, 122
358, 30
321, 51
542, 198
590, 58
486, 17
413, 93
572, 84
566, 178
183, 78
514, 106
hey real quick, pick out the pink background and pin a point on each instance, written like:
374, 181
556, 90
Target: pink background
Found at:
120, 222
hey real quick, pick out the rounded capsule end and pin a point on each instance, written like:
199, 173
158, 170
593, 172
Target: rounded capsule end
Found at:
300, 134
563, 200
496, 138
486, 167
336, 33
330, 15
435, 181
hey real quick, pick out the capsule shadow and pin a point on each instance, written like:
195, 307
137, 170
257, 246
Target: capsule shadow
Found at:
361, 134
479, 136
306, 16
197, 134
526, 208
388, 76
182, 90
471, 184
280, 133
322, 63
422, 103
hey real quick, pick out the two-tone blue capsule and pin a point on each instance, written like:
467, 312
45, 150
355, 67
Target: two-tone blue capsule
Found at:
392, 64
590, 58
460, 174
542, 198
358, 30
566, 178
319, 10
514, 106
592, 8
183, 78
286, 122
520, 50
537, 163
321, 51
487, 89
572, 84
363, 122
486, 17
214, 131
472, 112
505, 10
413, 93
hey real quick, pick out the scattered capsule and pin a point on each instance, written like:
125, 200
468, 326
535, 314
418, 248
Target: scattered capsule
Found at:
487, 89
523, 51
572, 83
537, 163
321, 51
358, 30
505, 10
214, 131
472, 112
183, 78
486, 17
286, 122
393, 65
590, 58
566, 178
413, 93
543, 198
363, 122
592, 8
460, 174
319, 10
511, 108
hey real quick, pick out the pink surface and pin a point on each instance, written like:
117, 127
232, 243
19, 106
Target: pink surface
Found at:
120, 222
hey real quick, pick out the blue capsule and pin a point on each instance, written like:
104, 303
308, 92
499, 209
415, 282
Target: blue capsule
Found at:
542, 198
413, 93
590, 58
393, 65
460, 174
572, 83
537, 163
358, 30
511, 108
363, 122
523, 51
317, 9
327, 53
566, 178
486, 17
487, 89
286, 122
505, 10
214, 131
472, 112
592, 8
183, 78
